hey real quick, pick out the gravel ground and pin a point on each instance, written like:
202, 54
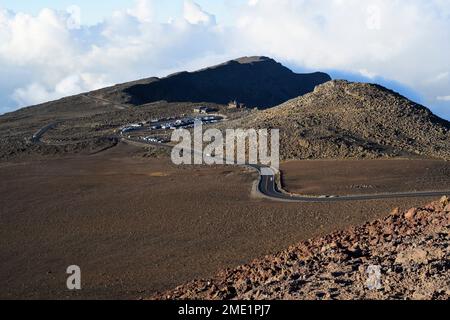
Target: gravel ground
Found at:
137, 225
402, 256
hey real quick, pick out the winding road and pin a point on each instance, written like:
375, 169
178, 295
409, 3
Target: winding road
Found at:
267, 187
36, 138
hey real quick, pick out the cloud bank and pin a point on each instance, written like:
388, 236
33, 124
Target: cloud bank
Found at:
51, 55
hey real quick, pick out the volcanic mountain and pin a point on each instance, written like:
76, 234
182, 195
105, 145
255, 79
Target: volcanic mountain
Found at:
341, 119
90, 120
335, 120
255, 81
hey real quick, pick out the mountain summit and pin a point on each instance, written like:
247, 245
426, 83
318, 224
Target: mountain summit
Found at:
255, 81
341, 119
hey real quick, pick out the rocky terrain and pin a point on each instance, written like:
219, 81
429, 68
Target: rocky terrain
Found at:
403, 256
255, 81
342, 120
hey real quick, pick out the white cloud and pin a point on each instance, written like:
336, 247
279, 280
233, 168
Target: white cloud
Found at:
36, 92
443, 98
30, 40
33, 93
143, 10
62, 59
74, 22
366, 73
48, 55
194, 14
443, 76
373, 21
404, 41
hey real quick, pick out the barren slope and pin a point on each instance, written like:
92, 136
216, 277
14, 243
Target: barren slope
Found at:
411, 250
136, 225
341, 119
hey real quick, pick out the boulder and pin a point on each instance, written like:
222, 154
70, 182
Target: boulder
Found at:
409, 215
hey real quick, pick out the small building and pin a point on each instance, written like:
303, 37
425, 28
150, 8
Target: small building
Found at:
202, 110
236, 105
232, 105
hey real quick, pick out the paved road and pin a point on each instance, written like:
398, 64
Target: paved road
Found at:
267, 186
36, 138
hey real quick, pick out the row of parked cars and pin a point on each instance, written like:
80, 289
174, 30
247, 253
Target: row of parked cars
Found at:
184, 123
131, 127
154, 139
168, 124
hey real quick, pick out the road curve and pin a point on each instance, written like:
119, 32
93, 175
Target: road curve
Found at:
268, 188
36, 138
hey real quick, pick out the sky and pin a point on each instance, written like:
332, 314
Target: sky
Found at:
96, 11
50, 49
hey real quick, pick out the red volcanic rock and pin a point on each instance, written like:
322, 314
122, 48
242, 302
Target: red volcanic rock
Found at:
411, 213
390, 258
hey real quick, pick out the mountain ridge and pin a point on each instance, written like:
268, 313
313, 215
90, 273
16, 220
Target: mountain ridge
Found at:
255, 81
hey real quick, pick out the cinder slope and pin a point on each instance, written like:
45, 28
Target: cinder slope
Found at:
341, 119
403, 256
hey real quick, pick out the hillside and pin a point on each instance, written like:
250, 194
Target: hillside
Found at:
341, 119
255, 81
410, 250
88, 121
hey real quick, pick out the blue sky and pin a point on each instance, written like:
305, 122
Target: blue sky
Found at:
50, 49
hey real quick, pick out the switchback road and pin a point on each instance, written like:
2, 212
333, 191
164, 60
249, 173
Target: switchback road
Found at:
267, 187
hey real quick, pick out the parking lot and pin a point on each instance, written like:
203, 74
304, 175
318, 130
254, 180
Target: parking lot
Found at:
156, 130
